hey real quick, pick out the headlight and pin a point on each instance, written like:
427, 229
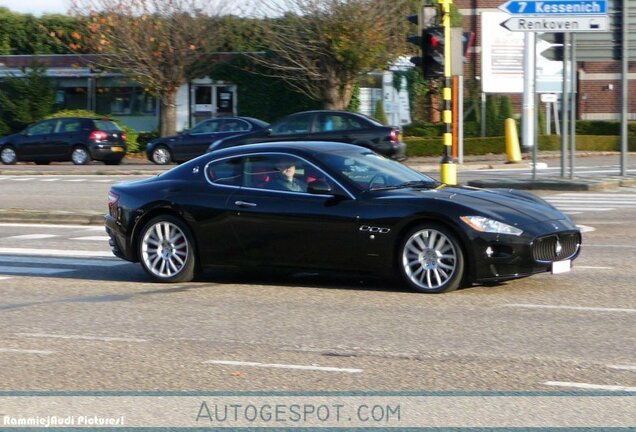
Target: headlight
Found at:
483, 224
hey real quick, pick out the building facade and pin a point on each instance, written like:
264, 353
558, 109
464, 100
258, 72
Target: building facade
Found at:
598, 90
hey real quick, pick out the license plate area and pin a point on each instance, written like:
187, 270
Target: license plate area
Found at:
117, 149
561, 266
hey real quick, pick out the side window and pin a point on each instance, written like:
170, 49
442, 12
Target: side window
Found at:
71, 125
294, 125
227, 172
350, 123
208, 126
235, 125
45, 127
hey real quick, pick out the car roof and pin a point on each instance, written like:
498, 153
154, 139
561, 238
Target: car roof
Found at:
291, 147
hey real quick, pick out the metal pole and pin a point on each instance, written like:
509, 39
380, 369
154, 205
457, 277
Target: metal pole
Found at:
460, 122
548, 118
527, 119
448, 168
573, 86
483, 114
565, 101
624, 87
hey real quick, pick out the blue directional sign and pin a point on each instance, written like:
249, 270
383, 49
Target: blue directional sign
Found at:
555, 7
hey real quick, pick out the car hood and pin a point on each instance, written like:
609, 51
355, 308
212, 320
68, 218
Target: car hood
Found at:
518, 207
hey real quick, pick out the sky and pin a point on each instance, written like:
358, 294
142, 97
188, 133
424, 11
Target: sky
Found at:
37, 7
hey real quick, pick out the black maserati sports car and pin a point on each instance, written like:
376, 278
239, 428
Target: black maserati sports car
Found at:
332, 206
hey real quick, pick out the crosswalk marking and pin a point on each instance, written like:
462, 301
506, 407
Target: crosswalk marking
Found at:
63, 261
54, 252
31, 237
92, 238
32, 270
576, 203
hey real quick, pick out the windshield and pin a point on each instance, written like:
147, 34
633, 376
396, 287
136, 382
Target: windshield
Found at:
370, 171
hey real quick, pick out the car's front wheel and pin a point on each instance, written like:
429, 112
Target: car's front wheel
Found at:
431, 259
8, 155
166, 250
161, 155
80, 156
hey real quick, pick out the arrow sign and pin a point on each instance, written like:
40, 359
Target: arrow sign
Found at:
557, 24
555, 7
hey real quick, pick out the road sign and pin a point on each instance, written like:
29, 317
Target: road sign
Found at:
554, 8
581, 24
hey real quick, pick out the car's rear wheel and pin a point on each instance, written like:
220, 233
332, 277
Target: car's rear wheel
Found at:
161, 155
166, 250
80, 155
8, 155
431, 259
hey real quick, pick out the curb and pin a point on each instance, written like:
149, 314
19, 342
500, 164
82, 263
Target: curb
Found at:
57, 217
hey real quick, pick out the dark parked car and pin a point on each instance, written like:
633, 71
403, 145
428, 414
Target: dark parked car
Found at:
194, 142
340, 126
356, 211
78, 139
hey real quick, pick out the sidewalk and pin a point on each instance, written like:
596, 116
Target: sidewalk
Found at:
135, 166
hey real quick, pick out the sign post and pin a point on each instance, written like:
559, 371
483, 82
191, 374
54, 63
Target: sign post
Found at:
553, 16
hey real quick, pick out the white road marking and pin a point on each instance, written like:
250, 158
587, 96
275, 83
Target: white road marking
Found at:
590, 386
610, 246
283, 366
63, 261
31, 237
623, 367
22, 178
5, 277
54, 252
82, 337
32, 270
586, 228
582, 209
50, 180
594, 267
24, 351
74, 180
92, 238
577, 308
35, 225
601, 195
103, 181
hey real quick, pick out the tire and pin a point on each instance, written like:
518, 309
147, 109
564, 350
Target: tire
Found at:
166, 250
80, 155
8, 155
431, 259
161, 155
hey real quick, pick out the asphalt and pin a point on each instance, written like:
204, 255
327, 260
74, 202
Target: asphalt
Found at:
137, 166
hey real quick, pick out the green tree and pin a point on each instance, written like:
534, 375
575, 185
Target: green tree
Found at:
153, 42
321, 47
493, 128
24, 100
379, 113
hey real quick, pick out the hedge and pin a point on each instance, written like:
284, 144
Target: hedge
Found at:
488, 145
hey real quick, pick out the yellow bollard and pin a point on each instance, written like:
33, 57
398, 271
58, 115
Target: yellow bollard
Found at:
513, 153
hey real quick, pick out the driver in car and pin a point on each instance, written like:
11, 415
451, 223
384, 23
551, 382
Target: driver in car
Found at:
285, 177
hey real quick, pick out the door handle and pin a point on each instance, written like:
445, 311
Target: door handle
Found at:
244, 204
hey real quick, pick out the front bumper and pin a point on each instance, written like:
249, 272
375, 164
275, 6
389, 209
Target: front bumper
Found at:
499, 258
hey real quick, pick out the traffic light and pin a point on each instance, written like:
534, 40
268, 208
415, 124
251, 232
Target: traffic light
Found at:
432, 52
555, 52
423, 19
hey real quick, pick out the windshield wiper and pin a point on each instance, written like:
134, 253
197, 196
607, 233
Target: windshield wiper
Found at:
424, 184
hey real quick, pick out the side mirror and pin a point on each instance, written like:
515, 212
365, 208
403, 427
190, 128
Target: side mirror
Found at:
319, 187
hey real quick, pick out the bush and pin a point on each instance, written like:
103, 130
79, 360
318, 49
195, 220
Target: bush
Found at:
144, 138
424, 129
131, 134
596, 127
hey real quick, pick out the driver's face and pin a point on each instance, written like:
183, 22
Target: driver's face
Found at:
289, 171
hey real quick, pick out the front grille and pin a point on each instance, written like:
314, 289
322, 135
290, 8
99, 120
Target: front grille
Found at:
556, 247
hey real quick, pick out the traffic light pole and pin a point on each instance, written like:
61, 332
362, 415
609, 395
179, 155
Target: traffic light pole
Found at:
448, 169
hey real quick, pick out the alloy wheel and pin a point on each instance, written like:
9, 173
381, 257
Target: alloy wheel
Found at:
165, 250
161, 156
8, 156
430, 260
80, 156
